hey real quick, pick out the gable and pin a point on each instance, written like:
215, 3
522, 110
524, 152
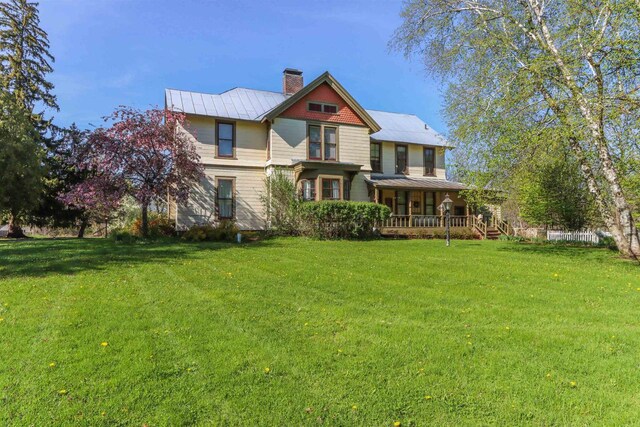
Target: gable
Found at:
323, 93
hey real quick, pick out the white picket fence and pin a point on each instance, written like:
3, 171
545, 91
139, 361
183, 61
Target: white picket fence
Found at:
586, 236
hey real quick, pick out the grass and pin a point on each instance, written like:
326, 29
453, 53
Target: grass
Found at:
352, 333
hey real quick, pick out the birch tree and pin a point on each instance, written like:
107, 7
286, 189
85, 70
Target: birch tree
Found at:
522, 72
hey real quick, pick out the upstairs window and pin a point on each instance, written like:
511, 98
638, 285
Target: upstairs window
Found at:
315, 143
376, 157
225, 139
330, 189
330, 144
401, 159
429, 161
323, 142
321, 107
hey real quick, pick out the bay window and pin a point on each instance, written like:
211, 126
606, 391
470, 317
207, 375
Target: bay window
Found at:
330, 189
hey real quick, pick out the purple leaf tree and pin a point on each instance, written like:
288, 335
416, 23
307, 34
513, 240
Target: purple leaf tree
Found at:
141, 153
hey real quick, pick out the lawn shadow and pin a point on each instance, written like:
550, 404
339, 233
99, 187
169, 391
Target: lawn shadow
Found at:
42, 257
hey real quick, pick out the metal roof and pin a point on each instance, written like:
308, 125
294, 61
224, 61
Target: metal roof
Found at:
415, 183
253, 105
397, 127
237, 103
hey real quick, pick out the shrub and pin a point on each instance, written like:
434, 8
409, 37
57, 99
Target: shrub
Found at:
122, 235
224, 231
280, 201
159, 226
341, 219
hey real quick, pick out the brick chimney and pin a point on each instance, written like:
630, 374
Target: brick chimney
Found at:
291, 81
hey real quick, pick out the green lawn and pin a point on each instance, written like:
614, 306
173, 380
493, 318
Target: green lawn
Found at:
298, 332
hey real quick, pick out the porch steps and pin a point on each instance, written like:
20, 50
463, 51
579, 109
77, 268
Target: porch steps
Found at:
493, 233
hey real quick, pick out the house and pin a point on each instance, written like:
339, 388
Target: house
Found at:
333, 148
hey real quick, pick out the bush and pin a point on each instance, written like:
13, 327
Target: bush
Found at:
224, 231
159, 226
280, 201
341, 219
122, 235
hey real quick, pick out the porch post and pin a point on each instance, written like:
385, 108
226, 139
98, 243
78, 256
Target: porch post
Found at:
466, 211
409, 202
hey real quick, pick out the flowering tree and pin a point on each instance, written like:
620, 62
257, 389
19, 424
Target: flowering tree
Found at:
141, 153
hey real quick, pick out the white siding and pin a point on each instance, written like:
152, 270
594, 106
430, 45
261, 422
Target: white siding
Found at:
249, 185
288, 141
251, 142
416, 160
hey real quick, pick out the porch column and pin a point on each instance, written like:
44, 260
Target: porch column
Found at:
409, 202
466, 212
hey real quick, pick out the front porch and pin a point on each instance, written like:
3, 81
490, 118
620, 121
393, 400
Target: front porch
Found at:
415, 206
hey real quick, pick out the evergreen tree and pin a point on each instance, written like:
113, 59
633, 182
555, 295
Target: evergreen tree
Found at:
20, 162
25, 62
24, 55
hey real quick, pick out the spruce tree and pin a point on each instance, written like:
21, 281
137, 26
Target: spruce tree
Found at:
25, 62
24, 55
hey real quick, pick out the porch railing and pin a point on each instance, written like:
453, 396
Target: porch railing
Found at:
424, 221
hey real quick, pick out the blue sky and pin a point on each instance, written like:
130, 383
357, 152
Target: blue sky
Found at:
113, 52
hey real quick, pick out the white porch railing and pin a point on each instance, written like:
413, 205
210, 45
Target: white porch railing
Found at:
574, 236
424, 221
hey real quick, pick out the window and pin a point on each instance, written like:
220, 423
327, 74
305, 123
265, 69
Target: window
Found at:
330, 144
330, 189
225, 139
309, 189
429, 161
224, 198
430, 203
321, 107
376, 157
323, 142
315, 143
401, 202
401, 159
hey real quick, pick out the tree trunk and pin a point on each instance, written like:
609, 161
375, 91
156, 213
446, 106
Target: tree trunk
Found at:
623, 228
145, 220
83, 227
15, 231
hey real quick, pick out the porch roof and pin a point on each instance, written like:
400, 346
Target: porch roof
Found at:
409, 183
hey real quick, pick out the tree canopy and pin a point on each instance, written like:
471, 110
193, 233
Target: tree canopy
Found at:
525, 75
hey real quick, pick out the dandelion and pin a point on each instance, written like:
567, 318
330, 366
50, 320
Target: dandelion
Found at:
573, 384
339, 350
104, 343
62, 392
428, 398
103, 413
397, 424
549, 375
52, 364
267, 370
507, 328
354, 407
555, 274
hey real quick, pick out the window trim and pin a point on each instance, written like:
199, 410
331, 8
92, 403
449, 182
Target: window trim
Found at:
321, 178
233, 139
309, 125
424, 161
314, 183
322, 105
322, 126
379, 144
233, 197
406, 166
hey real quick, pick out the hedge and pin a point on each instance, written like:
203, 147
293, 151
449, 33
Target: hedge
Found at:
341, 219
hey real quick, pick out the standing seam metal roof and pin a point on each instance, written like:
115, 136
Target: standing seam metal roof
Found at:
250, 104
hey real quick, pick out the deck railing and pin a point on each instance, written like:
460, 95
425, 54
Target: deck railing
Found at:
424, 221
